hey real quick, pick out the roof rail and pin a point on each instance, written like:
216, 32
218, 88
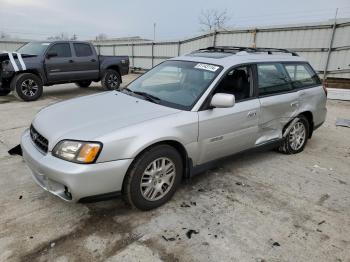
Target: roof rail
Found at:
236, 49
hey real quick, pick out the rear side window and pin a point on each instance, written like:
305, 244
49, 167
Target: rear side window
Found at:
272, 79
301, 75
62, 50
82, 49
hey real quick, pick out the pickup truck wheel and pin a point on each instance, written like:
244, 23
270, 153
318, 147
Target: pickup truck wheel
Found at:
111, 80
83, 84
4, 92
296, 138
153, 178
28, 86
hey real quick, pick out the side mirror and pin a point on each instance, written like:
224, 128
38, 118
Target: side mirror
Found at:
51, 54
221, 100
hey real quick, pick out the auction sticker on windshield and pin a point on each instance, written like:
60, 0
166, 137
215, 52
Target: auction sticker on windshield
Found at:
208, 67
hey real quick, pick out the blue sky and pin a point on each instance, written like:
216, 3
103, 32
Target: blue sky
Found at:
176, 19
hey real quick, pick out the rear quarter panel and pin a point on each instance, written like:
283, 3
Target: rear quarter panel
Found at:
314, 100
122, 62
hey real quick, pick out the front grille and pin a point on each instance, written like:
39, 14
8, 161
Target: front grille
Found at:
40, 141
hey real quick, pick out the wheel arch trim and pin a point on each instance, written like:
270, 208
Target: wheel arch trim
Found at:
178, 146
28, 71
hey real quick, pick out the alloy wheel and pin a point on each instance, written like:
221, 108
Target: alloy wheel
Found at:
29, 87
297, 136
113, 81
157, 179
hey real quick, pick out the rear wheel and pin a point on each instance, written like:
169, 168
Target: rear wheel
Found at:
153, 178
111, 79
83, 84
297, 136
28, 86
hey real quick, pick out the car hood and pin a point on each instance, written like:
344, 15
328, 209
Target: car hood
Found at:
4, 56
91, 117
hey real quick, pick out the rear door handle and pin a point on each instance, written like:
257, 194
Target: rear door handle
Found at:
93, 60
294, 104
252, 114
71, 61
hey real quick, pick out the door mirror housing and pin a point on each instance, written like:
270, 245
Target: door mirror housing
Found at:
51, 54
221, 100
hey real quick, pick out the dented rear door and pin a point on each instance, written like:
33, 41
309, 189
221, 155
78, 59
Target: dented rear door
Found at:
279, 102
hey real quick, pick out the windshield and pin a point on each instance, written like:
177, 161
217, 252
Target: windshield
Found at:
177, 84
34, 48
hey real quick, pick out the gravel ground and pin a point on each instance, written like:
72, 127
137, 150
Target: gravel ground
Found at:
255, 207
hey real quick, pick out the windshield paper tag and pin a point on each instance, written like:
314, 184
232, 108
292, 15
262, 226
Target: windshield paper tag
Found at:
208, 67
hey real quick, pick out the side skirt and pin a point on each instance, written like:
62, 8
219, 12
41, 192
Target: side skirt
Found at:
195, 170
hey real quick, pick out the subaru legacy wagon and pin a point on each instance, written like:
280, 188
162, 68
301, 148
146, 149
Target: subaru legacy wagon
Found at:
171, 122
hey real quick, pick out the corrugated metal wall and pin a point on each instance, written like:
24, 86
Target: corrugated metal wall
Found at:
9, 45
311, 41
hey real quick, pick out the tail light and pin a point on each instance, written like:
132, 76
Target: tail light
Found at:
325, 86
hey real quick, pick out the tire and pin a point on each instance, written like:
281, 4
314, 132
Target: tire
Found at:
144, 197
289, 145
28, 86
4, 92
111, 80
83, 84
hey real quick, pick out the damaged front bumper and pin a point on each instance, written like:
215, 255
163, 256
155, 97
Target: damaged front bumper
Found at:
72, 181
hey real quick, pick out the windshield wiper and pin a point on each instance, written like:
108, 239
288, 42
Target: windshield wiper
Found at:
121, 89
145, 95
148, 97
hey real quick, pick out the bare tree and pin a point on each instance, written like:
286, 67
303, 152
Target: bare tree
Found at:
213, 19
101, 36
61, 36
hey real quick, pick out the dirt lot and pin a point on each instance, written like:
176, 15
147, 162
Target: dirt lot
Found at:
256, 207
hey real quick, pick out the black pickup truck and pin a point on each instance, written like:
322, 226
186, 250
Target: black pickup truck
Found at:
39, 64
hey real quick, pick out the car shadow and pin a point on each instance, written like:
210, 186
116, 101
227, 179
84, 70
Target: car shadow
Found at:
58, 92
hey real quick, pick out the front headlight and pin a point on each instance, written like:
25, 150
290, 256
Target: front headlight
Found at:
77, 151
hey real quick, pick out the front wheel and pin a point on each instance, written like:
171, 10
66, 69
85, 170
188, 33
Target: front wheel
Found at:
28, 86
111, 79
154, 177
296, 138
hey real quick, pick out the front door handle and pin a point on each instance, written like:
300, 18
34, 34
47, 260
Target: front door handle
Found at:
93, 60
71, 61
294, 104
252, 114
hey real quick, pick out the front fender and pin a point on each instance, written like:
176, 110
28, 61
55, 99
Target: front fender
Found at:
128, 142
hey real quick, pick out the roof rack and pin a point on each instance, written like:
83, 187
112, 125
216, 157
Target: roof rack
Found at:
236, 49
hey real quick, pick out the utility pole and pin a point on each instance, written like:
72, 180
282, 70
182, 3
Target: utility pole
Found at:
154, 32
330, 45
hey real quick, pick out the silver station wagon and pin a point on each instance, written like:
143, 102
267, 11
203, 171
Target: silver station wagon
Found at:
172, 122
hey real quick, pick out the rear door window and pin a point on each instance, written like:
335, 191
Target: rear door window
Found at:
82, 50
301, 75
273, 79
62, 50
